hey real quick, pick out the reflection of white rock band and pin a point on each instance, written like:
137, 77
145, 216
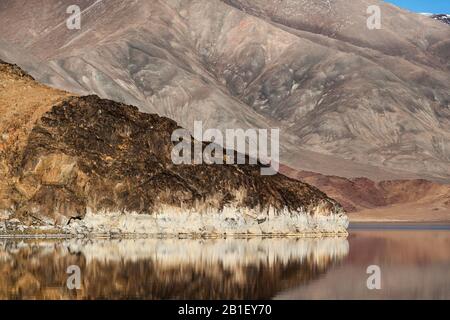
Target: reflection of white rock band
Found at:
173, 252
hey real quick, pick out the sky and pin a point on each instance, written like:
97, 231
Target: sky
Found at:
426, 6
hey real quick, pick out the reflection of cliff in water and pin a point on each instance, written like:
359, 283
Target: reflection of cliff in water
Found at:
165, 268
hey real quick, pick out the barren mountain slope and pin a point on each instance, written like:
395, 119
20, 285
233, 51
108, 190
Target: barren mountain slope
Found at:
372, 103
390, 200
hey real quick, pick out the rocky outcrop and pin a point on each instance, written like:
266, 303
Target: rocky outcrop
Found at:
97, 166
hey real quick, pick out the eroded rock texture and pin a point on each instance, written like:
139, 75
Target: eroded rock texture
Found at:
88, 155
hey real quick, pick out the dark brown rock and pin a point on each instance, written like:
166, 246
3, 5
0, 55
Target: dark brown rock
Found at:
86, 154
89, 152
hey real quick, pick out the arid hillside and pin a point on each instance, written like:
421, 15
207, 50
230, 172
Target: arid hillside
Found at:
390, 200
349, 101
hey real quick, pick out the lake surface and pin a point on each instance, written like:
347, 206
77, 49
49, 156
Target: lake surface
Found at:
414, 264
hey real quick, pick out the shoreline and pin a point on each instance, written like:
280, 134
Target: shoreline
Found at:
56, 234
63, 236
399, 222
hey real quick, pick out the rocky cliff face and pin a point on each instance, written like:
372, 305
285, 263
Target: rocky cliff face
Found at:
97, 165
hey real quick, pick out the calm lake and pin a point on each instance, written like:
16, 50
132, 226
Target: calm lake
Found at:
414, 263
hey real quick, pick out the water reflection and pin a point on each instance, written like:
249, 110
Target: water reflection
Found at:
415, 264
165, 268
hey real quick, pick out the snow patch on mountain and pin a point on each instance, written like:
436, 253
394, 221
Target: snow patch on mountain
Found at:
445, 18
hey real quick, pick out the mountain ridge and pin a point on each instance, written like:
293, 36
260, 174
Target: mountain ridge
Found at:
383, 201
376, 102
